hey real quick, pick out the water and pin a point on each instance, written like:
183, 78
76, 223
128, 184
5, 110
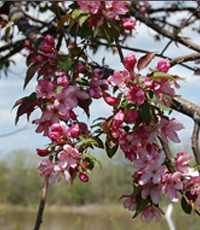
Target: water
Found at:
94, 217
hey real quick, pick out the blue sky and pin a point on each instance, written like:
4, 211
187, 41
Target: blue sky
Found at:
11, 90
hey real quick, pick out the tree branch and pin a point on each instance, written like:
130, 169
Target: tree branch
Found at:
17, 15
195, 146
186, 107
162, 31
185, 58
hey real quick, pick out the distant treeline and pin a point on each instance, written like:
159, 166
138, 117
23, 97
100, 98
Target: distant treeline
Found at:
20, 183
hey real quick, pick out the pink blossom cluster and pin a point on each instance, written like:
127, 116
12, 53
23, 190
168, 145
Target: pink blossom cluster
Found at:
107, 10
138, 138
137, 123
59, 96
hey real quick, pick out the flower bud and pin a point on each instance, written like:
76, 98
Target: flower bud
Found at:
129, 23
130, 61
83, 177
50, 40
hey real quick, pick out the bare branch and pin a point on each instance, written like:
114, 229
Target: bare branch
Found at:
148, 22
185, 58
188, 108
195, 146
17, 15
42, 201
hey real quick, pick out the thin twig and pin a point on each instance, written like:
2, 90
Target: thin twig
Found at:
119, 50
195, 147
42, 201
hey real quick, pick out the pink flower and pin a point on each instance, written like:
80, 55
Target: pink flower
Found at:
94, 92
43, 125
45, 167
57, 174
153, 190
166, 129
129, 23
83, 177
129, 203
130, 61
163, 65
67, 157
182, 163
80, 68
62, 79
144, 158
154, 171
119, 117
116, 8
136, 94
119, 79
50, 40
129, 142
131, 117
152, 211
44, 89
192, 185
90, 6
172, 183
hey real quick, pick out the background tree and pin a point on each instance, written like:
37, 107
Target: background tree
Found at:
141, 103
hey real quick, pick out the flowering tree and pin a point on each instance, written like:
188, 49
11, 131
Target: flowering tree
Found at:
141, 96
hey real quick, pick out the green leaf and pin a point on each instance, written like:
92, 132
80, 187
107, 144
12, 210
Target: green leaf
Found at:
64, 19
145, 112
83, 19
82, 82
159, 75
141, 205
152, 96
92, 140
65, 62
164, 107
92, 158
76, 13
111, 150
124, 103
85, 31
185, 206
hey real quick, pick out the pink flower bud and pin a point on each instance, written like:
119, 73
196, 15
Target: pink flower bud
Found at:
97, 73
46, 48
83, 177
50, 40
111, 100
43, 152
163, 65
130, 61
73, 131
54, 136
57, 127
80, 68
129, 23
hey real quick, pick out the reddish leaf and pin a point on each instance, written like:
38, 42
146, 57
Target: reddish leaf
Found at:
85, 104
30, 57
144, 61
30, 73
43, 69
26, 105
